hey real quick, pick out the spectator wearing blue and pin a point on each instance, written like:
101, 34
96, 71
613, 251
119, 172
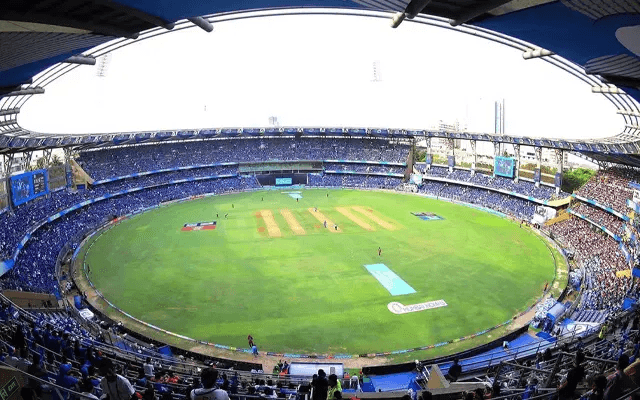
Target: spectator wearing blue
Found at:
254, 350
66, 381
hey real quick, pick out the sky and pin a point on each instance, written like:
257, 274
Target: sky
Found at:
318, 71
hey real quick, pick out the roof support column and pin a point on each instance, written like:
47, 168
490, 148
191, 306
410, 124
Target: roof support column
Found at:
516, 149
6, 162
496, 153
68, 171
474, 154
451, 152
538, 170
559, 153
428, 157
27, 160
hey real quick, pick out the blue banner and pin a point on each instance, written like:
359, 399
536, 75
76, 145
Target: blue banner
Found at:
536, 175
28, 186
628, 303
558, 180
451, 161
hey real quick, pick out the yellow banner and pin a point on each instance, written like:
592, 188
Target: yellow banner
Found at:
624, 273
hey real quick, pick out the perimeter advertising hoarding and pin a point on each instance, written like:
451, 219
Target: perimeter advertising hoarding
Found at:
28, 186
504, 166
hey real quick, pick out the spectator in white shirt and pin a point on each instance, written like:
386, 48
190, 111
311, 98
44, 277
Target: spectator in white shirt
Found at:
115, 386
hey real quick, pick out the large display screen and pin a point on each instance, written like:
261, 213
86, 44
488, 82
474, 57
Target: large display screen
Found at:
283, 181
28, 186
504, 166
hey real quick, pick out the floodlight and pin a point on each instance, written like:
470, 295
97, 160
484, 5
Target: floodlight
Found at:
536, 53
606, 90
24, 92
9, 111
202, 23
81, 59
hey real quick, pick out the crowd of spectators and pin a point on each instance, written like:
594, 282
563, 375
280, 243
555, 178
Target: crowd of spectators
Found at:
35, 267
610, 187
354, 181
122, 161
517, 207
601, 257
600, 217
364, 168
522, 187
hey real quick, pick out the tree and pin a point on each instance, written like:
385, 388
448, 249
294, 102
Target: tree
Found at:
41, 163
56, 160
574, 179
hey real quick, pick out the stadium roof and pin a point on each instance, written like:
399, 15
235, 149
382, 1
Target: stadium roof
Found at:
595, 40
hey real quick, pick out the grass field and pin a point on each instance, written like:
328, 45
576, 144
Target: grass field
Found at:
271, 269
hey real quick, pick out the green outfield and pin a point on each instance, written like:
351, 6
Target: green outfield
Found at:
271, 269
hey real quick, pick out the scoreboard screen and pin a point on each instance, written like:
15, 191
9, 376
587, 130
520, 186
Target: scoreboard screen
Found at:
504, 166
28, 186
283, 181
39, 183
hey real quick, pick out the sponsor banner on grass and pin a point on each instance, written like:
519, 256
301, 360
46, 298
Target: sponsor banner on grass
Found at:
199, 226
399, 308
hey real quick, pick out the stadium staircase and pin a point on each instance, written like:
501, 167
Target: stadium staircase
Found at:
597, 316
